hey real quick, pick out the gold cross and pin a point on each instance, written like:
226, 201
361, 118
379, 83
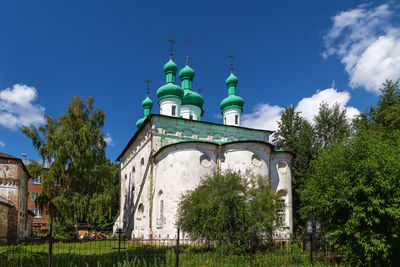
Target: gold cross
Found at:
187, 50
231, 57
148, 90
171, 41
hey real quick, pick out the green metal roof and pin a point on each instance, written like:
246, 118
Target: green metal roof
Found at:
170, 66
186, 73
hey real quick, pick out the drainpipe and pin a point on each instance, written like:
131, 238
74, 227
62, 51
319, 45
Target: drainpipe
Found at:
151, 178
218, 159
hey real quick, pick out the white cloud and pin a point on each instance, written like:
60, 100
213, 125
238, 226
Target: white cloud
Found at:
17, 108
265, 116
309, 106
2, 144
108, 139
367, 44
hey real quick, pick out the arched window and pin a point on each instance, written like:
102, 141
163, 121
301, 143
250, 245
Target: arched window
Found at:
142, 161
282, 207
141, 209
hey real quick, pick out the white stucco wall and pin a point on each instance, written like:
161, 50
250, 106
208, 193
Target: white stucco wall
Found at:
229, 116
166, 106
187, 110
177, 169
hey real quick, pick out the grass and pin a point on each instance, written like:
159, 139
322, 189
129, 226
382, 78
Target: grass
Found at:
103, 253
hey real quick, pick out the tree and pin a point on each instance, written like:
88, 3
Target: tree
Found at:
385, 114
80, 176
232, 209
330, 125
354, 193
296, 134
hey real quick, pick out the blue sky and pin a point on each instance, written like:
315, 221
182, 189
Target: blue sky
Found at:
286, 52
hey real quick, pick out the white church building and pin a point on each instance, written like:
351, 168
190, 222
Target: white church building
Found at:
171, 151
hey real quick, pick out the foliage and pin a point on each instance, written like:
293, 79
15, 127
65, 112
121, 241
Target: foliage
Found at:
354, 193
330, 125
234, 209
384, 115
79, 182
296, 134
103, 253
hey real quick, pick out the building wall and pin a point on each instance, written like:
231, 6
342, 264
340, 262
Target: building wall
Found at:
8, 223
177, 169
13, 190
40, 223
185, 151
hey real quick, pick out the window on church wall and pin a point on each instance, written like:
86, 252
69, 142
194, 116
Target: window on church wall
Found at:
173, 111
142, 161
236, 119
161, 209
281, 208
224, 120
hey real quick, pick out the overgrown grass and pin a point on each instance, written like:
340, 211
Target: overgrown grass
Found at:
104, 253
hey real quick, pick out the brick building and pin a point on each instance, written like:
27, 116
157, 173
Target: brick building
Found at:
15, 218
40, 221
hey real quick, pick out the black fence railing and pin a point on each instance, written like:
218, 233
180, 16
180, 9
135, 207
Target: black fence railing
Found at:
116, 251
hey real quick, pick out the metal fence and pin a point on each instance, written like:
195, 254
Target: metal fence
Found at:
115, 251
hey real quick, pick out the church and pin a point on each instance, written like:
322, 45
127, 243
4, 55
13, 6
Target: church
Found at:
171, 151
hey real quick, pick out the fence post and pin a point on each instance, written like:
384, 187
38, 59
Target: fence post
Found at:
311, 249
119, 233
50, 259
177, 250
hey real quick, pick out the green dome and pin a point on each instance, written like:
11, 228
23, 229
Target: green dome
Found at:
147, 103
232, 101
170, 66
192, 98
231, 80
186, 73
140, 122
169, 90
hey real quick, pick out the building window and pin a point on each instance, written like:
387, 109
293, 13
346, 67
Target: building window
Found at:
161, 209
173, 110
236, 119
37, 212
34, 195
282, 208
36, 180
191, 117
281, 212
224, 120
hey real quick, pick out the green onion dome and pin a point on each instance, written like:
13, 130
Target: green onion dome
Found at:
147, 103
169, 90
186, 73
170, 66
232, 101
193, 98
140, 122
231, 80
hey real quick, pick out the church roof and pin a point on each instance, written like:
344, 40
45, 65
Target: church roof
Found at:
151, 116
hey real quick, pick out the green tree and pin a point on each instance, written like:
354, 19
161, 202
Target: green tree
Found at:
385, 114
80, 176
354, 193
233, 209
296, 134
330, 125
